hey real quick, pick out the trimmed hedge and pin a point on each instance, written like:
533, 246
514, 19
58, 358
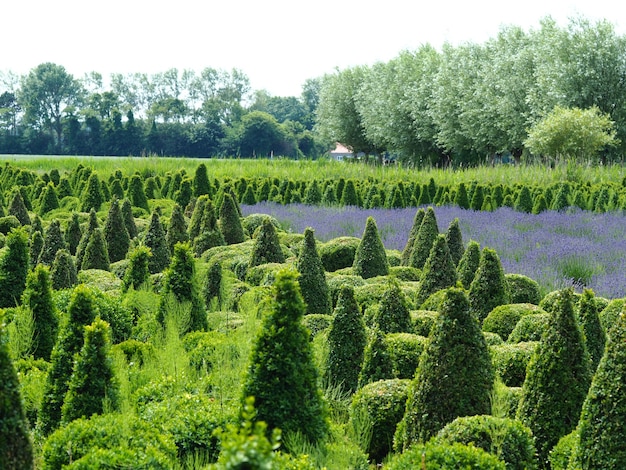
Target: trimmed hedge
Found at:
405, 350
529, 328
503, 319
510, 361
338, 253
436, 456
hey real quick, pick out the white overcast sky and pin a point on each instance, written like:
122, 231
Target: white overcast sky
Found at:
278, 44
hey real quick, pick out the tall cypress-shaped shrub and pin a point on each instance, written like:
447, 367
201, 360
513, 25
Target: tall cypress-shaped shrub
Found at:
184, 193
346, 343
129, 219
210, 234
408, 248
96, 254
14, 268
439, 271
92, 383
313, 194
115, 233
16, 450
349, 195
370, 259
116, 189
17, 207
489, 287
377, 362
73, 233
468, 264
454, 237
425, 238
155, 240
293, 402
53, 241
176, 228
36, 245
593, 333
92, 225
461, 198
136, 193
393, 314
266, 248
524, 201
137, 272
601, 427
557, 379
455, 376
38, 298
63, 274
212, 288
201, 184
81, 312
48, 200
180, 281
230, 222
313, 276
92, 195
196, 216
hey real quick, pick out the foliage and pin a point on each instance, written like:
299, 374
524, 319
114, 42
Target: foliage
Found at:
176, 228
377, 362
266, 248
405, 350
529, 328
454, 237
522, 289
511, 360
92, 197
73, 233
53, 241
92, 225
154, 239
503, 319
230, 222
434, 455
392, 314
489, 288
312, 276
115, 233
439, 270
37, 297
370, 258
13, 268
136, 194
129, 220
17, 208
468, 264
63, 273
426, 236
96, 255
592, 331
338, 253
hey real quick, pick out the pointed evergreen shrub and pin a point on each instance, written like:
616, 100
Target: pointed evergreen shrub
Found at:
346, 343
468, 264
184, 193
17, 208
176, 228
49, 200
16, 450
116, 189
454, 237
92, 383
312, 278
63, 273
461, 198
115, 233
593, 333
439, 271
38, 298
370, 259
426, 236
53, 241
73, 233
209, 234
392, 314
92, 224
454, 377
313, 194
349, 195
524, 200
557, 380
408, 248
196, 216
137, 272
129, 219
230, 222
489, 288
36, 245
96, 255
266, 248
212, 288
81, 312
377, 362
201, 184
293, 403
155, 240
92, 195
14, 268
136, 193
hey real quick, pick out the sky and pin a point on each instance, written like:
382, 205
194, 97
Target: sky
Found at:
278, 44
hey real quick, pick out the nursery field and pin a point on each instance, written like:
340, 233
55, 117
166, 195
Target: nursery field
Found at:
198, 314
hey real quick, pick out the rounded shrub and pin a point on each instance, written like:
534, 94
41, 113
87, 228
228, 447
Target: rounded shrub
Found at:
433, 455
381, 404
529, 328
370, 259
7, 223
510, 361
423, 321
317, 323
338, 253
508, 439
377, 364
405, 350
503, 319
522, 289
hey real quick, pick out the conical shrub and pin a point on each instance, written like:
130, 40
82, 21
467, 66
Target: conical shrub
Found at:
408, 248
230, 222
377, 362
73, 233
468, 264
393, 314
115, 233
312, 278
53, 241
38, 298
63, 274
370, 259
209, 235
593, 333
129, 219
201, 184
92, 195
266, 248
137, 272
92, 225
136, 193
489, 287
49, 200
155, 240
454, 238
426, 236
18, 208
439, 271
176, 228
96, 254
14, 268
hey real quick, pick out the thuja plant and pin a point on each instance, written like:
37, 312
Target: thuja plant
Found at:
129, 219
212, 287
92, 385
73, 233
370, 259
17, 207
377, 362
53, 241
96, 255
63, 273
38, 298
16, 450
115, 233
601, 426
294, 403
346, 343
313, 276
196, 216
439, 271
137, 272
92, 224
468, 264
489, 288
209, 234
266, 248
557, 379
454, 237
201, 184
393, 314
426, 236
36, 245
92, 195
408, 248
176, 228
155, 240
136, 193
230, 221
593, 333
455, 376
81, 312
14, 268
48, 200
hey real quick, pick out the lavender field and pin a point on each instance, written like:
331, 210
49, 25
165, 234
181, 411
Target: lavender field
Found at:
556, 249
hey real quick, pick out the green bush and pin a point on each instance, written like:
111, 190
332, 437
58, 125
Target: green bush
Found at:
53, 241
370, 259
317, 323
8, 223
312, 278
96, 255
36, 245
405, 350
561, 454
522, 289
230, 221
263, 274
155, 240
14, 268
337, 281
137, 272
502, 319
432, 455
609, 315
115, 233
38, 298
529, 328
377, 363
63, 273
455, 375
524, 201
454, 238
129, 219
557, 379
439, 270
492, 339
338, 253
92, 195
426, 236
489, 288
17, 208
346, 343
49, 200
109, 441
393, 314
510, 361
266, 248
508, 439
593, 333
408, 248
423, 321
136, 193
92, 225
405, 273
252, 222
468, 264
381, 404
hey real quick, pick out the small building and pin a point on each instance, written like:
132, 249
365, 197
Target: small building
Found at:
341, 152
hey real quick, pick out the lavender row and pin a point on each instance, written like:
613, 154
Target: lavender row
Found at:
556, 249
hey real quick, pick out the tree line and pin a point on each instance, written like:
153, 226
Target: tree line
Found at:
173, 113
473, 103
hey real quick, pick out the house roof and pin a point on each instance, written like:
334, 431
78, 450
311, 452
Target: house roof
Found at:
340, 148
